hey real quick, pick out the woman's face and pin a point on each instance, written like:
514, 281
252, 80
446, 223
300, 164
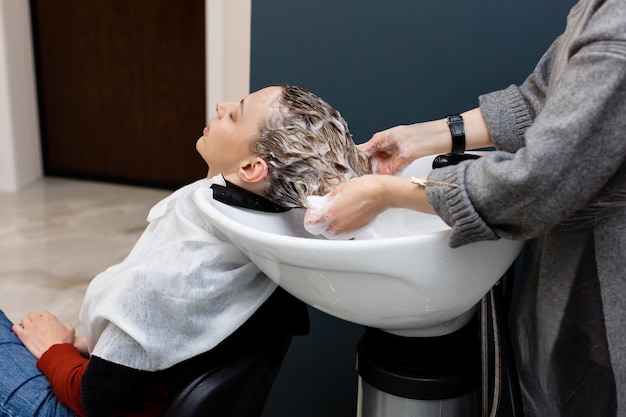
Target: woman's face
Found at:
225, 143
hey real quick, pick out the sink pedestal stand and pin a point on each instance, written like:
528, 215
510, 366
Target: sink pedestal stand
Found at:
419, 376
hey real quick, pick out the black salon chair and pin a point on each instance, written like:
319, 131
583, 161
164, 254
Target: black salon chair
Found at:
239, 382
237, 389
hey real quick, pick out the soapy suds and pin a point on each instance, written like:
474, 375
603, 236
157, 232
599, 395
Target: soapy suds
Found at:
375, 165
308, 148
318, 220
398, 161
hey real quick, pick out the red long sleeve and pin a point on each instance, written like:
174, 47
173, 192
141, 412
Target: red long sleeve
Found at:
63, 365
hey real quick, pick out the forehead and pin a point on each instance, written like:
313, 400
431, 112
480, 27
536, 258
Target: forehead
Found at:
258, 105
264, 97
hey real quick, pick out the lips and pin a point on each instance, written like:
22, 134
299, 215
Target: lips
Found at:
208, 126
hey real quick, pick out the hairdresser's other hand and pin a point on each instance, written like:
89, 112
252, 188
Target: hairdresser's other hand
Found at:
392, 150
352, 205
356, 203
39, 331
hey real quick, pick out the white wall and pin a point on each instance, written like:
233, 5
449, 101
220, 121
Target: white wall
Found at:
20, 151
228, 78
228, 51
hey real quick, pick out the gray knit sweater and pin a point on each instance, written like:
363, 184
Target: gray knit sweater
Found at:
558, 168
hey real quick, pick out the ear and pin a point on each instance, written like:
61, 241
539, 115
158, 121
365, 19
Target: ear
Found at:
253, 171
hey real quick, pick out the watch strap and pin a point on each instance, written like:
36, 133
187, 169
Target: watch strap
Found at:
455, 123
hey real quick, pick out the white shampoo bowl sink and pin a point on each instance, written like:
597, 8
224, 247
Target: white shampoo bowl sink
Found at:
400, 275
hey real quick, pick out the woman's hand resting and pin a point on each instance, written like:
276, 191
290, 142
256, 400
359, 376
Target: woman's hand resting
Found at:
39, 331
80, 343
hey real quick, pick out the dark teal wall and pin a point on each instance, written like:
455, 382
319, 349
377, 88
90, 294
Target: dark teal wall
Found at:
383, 63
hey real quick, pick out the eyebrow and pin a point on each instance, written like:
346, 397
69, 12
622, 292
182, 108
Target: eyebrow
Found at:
241, 106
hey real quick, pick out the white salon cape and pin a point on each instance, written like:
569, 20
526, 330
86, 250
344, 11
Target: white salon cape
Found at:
182, 290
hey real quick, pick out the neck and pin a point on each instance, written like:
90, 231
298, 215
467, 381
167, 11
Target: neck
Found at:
256, 188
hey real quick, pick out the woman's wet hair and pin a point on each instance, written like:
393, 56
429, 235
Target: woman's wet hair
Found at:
308, 148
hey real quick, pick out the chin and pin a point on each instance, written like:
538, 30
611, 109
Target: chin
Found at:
199, 144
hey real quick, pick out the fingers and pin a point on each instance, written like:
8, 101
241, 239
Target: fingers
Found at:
26, 320
17, 328
33, 315
379, 142
317, 218
30, 317
343, 215
39, 331
36, 316
385, 152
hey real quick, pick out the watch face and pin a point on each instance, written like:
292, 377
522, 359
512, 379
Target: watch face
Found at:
455, 119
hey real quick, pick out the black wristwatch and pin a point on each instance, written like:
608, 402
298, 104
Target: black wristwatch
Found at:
455, 123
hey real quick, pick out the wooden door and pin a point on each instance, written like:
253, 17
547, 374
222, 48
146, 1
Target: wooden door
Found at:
121, 87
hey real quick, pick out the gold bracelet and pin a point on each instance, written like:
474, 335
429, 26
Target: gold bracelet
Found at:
425, 183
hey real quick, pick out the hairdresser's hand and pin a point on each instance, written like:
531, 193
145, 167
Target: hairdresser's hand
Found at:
39, 331
352, 205
356, 203
392, 150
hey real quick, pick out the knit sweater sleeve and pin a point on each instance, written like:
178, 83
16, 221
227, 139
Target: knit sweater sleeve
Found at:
108, 388
64, 367
510, 112
548, 169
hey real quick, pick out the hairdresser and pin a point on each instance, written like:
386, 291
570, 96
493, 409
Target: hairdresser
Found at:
557, 179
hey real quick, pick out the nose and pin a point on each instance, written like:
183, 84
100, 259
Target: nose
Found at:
219, 108
222, 108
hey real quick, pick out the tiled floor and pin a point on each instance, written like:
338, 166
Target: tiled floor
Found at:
57, 234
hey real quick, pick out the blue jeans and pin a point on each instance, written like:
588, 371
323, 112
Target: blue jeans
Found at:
24, 390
